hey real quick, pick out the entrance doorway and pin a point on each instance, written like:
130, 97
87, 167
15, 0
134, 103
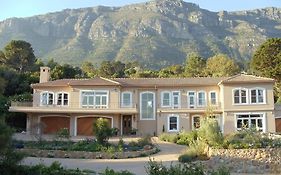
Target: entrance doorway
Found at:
127, 124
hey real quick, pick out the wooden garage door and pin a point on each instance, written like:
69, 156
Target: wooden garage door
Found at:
278, 124
54, 124
85, 125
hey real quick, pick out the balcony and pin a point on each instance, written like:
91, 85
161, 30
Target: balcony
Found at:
187, 109
112, 108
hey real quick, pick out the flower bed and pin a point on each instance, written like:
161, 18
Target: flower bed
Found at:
87, 155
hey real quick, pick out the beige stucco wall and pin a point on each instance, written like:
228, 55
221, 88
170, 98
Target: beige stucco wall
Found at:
162, 120
230, 121
228, 97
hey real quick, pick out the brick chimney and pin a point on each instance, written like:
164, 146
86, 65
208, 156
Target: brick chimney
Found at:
44, 74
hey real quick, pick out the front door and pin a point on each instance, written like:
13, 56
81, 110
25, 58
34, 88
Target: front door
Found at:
127, 124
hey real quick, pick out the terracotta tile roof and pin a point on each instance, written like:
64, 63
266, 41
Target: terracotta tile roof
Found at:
244, 78
168, 82
156, 82
97, 81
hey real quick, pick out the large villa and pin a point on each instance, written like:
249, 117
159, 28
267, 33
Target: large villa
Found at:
149, 105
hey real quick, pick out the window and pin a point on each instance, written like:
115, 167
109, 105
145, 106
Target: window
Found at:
213, 98
175, 99
166, 99
94, 99
240, 96
257, 96
173, 123
62, 99
47, 98
191, 99
126, 99
247, 121
147, 102
195, 122
201, 99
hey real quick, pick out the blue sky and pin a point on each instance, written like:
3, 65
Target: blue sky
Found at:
24, 8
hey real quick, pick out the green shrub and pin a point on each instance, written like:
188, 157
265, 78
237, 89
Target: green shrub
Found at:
144, 141
210, 132
108, 171
63, 133
102, 130
185, 138
169, 137
197, 150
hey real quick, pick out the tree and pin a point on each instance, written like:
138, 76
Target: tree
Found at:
267, 62
19, 55
106, 69
65, 71
195, 66
102, 130
221, 65
52, 64
88, 69
171, 71
267, 59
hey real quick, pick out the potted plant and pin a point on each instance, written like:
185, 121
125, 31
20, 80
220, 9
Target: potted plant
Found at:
134, 131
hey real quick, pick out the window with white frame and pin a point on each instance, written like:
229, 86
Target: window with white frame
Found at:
175, 99
166, 99
62, 99
240, 96
147, 109
213, 98
94, 99
246, 121
191, 99
257, 96
47, 98
195, 122
173, 123
201, 99
126, 99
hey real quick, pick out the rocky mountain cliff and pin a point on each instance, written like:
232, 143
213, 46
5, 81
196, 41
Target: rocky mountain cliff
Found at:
156, 34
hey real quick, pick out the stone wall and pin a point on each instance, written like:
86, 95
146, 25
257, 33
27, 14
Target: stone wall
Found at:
87, 155
260, 161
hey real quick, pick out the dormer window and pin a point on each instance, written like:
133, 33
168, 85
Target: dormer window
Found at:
62, 99
47, 98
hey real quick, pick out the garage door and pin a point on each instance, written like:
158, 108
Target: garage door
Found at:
85, 125
278, 124
54, 124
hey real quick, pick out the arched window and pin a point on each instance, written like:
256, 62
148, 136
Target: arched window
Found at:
47, 98
257, 96
62, 98
147, 106
240, 96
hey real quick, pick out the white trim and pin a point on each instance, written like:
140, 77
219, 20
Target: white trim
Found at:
192, 120
257, 97
204, 98
62, 102
75, 126
162, 98
240, 97
188, 99
94, 100
210, 98
48, 92
131, 99
179, 99
168, 122
263, 114
153, 105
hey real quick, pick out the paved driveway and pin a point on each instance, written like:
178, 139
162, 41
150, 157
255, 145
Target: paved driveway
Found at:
169, 153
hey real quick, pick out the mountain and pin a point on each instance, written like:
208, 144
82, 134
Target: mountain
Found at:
156, 33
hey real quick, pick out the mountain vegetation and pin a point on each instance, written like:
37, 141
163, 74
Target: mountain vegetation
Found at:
156, 34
